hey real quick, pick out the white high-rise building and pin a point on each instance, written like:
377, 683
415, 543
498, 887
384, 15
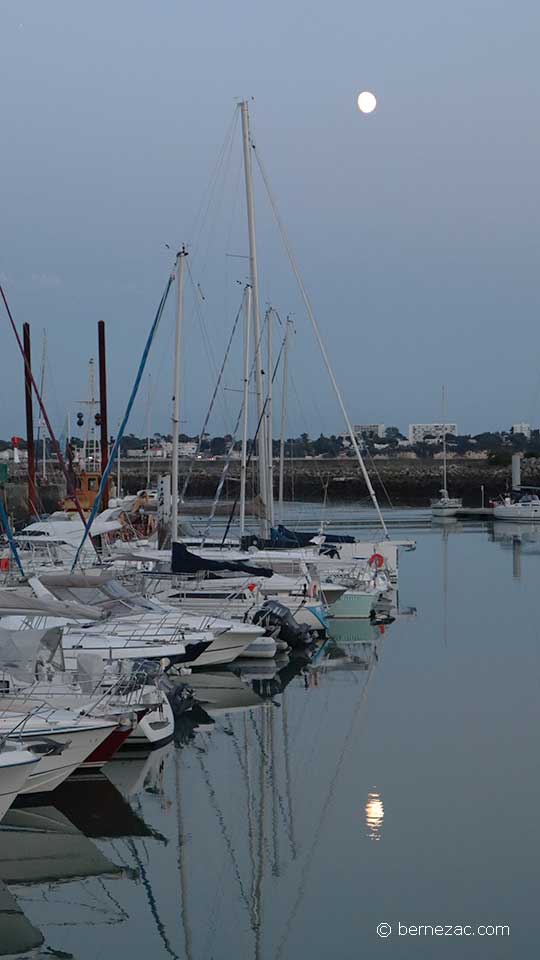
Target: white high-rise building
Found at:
523, 428
419, 431
369, 431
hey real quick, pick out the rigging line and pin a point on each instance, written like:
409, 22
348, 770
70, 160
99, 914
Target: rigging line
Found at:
156, 373
206, 197
121, 429
212, 401
379, 478
216, 201
318, 337
232, 223
44, 413
208, 343
202, 322
252, 445
42, 377
229, 454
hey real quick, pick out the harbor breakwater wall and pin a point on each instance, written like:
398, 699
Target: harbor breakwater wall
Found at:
404, 482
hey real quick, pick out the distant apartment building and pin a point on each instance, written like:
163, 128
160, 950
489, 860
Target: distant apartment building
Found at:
523, 428
367, 431
419, 431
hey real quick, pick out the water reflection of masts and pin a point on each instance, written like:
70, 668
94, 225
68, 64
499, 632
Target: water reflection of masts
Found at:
182, 839
152, 903
329, 797
516, 558
273, 780
290, 824
257, 904
445, 586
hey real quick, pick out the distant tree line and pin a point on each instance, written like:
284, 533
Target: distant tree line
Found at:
499, 445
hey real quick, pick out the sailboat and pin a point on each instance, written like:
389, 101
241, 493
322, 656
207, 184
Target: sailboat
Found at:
445, 505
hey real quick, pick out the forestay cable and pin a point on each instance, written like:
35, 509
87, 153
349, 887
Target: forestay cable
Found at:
322, 348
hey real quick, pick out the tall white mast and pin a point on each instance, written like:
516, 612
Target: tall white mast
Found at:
245, 412
444, 442
148, 400
283, 412
254, 277
180, 262
41, 420
269, 421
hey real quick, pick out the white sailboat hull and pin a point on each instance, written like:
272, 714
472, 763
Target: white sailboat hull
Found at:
524, 512
78, 744
446, 506
15, 769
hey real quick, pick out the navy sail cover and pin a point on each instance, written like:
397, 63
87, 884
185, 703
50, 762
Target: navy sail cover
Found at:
284, 535
183, 561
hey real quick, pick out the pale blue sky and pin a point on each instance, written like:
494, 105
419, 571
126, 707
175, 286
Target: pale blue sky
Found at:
416, 229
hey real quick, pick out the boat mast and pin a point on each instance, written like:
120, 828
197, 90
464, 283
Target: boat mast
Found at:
284, 386
148, 400
118, 471
269, 424
41, 424
445, 488
245, 411
180, 263
254, 279
31, 452
103, 417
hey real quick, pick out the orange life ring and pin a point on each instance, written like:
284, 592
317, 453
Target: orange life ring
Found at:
376, 560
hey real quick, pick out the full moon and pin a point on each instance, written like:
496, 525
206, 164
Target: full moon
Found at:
367, 102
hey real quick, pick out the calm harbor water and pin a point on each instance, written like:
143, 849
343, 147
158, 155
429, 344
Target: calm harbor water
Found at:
395, 779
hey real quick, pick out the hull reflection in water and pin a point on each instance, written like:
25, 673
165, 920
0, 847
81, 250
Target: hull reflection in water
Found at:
17, 935
39, 845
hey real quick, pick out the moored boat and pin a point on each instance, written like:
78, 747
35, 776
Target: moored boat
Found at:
16, 765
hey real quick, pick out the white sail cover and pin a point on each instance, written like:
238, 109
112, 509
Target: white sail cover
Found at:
24, 654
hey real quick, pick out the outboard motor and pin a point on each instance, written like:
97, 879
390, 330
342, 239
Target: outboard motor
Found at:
275, 615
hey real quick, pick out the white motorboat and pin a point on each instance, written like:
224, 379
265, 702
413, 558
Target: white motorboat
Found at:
143, 715
355, 604
140, 623
118, 645
16, 765
64, 742
52, 543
